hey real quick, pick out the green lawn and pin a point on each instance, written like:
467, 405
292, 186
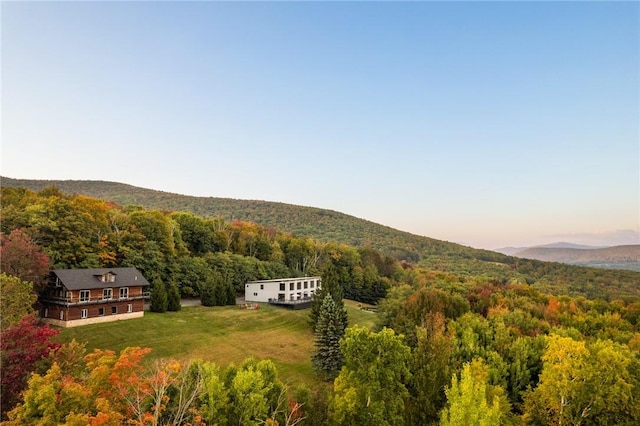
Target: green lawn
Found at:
219, 334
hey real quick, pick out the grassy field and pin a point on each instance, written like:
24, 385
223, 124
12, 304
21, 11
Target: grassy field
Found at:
219, 334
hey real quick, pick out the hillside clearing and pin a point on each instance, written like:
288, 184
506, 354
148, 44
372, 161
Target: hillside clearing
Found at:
219, 334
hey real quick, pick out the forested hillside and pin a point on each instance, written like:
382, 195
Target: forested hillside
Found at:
330, 226
320, 224
505, 345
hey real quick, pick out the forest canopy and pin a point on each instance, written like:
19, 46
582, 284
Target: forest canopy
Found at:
521, 342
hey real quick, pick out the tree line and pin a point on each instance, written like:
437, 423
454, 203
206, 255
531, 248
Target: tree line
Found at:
326, 226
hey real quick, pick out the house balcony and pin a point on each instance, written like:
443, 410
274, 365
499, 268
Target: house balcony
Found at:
67, 301
294, 304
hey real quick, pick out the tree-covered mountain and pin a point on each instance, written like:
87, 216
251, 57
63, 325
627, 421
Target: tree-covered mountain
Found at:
320, 224
331, 226
513, 251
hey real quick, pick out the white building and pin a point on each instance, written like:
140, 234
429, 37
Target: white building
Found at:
281, 290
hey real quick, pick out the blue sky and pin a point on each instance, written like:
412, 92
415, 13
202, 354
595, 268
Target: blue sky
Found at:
484, 123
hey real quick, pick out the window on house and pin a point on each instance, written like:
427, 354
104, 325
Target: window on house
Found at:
114, 309
129, 308
107, 293
312, 283
124, 292
84, 295
291, 286
298, 285
261, 286
281, 286
84, 313
101, 312
306, 284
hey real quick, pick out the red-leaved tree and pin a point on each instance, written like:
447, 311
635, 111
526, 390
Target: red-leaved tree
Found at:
22, 345
23, 258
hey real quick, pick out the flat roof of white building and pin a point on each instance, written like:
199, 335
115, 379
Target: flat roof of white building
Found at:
279, 280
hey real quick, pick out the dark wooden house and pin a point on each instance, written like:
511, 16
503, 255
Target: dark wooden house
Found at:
86, 296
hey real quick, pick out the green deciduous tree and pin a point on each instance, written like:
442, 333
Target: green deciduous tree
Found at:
213, 402
584, 383
467, 399
431, 371
196, 233
189, 273
254, 391
371, 388
52, 399
16, 300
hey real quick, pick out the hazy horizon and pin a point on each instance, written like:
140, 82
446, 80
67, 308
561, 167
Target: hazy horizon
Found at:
489, 124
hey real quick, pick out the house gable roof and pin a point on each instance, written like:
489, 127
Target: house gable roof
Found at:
87, 279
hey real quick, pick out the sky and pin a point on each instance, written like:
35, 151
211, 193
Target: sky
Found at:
489, 124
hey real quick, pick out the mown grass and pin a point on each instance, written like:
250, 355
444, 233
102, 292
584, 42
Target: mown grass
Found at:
219, 334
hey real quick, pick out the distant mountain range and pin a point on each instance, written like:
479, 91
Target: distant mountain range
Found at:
618, 257
512, 251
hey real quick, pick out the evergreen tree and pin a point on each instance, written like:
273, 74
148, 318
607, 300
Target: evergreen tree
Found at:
217, 291
158, 300
230, 293
208, 294
327, 358
173, 297
330, 286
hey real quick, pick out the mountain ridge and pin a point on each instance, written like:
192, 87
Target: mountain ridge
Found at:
512, 251
624, 256
303, 221
324, 226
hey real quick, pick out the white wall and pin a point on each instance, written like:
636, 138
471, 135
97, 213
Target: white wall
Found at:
262, 291
255, 292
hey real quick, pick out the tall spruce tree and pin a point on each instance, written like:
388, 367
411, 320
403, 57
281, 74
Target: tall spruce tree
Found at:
230, 292
327, 358
158, 299
330, 286
173, 297
208, 295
